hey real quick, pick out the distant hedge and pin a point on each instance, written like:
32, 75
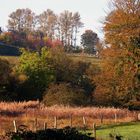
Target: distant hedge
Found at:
66, 133
9, 51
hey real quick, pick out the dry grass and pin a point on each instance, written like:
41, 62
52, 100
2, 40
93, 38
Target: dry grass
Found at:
26, 112
11, 59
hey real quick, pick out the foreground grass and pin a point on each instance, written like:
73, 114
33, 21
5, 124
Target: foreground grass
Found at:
27, 112
128, 131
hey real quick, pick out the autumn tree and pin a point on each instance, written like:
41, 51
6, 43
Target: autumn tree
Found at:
89, 39
119, 82
68, 27
5, 74
38, 72
0, 30
75, 28
22, 20
47, 23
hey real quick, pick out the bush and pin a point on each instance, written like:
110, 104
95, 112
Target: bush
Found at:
66, 133
69, 71
36, 67
64, 94
133, 105
5, 70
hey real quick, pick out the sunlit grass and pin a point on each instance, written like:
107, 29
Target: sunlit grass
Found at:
128, 131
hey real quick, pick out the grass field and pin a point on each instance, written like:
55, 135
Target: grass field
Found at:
84, 58
27, 112
128, 131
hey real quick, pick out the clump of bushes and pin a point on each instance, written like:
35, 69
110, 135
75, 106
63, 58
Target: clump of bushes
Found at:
66, 133
35, 72
5, 70
64, 94
133, 105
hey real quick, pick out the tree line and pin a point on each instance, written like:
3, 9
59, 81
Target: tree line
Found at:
115, 82
64, 26
28, 30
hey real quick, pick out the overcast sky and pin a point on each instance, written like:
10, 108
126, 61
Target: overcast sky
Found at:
92, 11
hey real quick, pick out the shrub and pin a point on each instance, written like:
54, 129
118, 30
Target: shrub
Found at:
133, 105
70, 71
64, 94
5, 70
38, 71
66, 133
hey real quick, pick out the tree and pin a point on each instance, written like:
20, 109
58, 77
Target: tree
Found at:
64, 94
71, 72
39, 73
89, 39
4, 71
0, 30
68, 26
5, 75
76, 25
118, 83
65, 25
47, 23
22, 20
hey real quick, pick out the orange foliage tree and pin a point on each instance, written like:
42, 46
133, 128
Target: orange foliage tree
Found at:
119, 80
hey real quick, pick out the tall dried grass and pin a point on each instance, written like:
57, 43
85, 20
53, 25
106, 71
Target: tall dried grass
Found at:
34, 108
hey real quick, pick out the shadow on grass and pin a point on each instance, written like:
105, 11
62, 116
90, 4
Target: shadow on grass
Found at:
11, 113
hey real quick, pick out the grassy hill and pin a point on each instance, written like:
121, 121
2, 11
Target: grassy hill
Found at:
86, 58
7, 50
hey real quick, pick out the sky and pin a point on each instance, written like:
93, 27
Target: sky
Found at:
92, 11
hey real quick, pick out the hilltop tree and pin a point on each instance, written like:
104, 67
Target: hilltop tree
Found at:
65, 20
0, 30
68, 26
76, 25
47, 23
89, 39
22, 20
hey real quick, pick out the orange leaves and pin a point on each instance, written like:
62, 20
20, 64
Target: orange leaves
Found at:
118, 78
31, 41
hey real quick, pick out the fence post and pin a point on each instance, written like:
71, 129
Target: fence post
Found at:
15, 126
71, 120
138, 116
94, 130
55, 122
45, 125
115, 116
102, 117
35, 124
26, 112
84, 122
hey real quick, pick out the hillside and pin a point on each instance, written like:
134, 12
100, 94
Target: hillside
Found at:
76, 57
6, 50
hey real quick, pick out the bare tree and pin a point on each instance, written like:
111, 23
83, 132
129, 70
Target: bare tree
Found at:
47, 23
76, 24
69, 24
22, 20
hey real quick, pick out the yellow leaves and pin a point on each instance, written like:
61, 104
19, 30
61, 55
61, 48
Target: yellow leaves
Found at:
22, 78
